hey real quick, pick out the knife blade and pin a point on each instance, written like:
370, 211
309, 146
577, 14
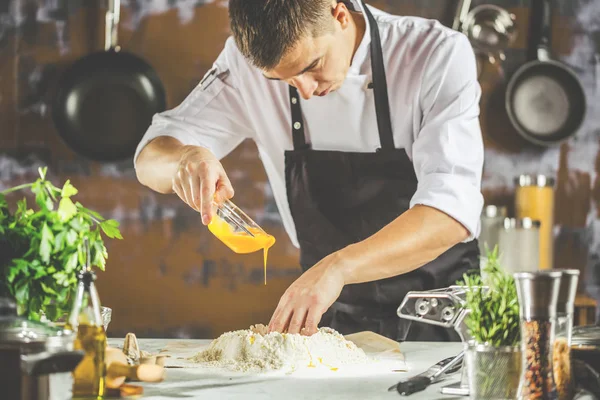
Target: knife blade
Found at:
434, 374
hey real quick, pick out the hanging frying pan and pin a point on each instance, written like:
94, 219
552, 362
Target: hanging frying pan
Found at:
105, 101
544, 100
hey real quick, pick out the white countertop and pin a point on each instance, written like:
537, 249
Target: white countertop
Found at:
181, 383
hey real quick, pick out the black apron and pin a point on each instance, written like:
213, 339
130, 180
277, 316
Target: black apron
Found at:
339, 198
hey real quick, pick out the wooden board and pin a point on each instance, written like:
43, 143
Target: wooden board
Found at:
374, 343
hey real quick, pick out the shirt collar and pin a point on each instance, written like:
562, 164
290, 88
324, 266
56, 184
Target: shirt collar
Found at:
360, 56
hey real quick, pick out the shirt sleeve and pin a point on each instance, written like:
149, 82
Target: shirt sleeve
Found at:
448, 148
212, 116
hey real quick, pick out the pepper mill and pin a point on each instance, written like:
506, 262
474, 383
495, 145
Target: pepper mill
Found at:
538, 295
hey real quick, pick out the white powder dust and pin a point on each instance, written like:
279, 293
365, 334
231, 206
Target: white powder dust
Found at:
255, 350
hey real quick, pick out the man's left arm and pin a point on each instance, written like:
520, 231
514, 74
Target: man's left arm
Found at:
447, 156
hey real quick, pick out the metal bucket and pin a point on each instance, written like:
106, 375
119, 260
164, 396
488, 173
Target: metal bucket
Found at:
493, 372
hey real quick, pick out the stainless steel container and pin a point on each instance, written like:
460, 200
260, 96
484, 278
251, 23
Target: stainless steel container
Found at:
492, 219
36, 359
518, 244
493, 371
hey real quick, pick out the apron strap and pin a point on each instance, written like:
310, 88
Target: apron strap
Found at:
297, 123
382, 105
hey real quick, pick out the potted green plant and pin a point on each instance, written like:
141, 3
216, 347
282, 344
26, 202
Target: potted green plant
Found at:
43, 249
493, 356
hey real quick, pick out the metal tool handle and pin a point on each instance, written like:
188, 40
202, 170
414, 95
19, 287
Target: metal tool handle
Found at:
449, 367
420, 382
540, 26
462, 10
113, 15
413, 385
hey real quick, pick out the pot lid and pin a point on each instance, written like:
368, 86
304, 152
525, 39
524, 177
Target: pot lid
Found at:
588, 335
17, 331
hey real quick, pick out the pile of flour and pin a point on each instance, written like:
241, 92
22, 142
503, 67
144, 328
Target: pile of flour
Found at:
255, 350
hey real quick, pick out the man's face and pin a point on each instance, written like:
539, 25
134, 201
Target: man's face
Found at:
318, 65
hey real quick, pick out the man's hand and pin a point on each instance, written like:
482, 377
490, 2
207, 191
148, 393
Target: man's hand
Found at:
304, 302
416, 237
200, 179
194, 173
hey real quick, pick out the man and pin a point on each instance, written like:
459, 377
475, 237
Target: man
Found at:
367, 125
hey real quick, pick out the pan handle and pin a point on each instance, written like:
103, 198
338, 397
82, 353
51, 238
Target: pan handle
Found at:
540, 37
113, 15
462, 9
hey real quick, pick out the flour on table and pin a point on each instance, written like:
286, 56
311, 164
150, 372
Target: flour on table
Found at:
255, 350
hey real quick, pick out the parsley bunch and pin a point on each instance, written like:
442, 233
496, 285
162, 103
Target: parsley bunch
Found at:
42, 250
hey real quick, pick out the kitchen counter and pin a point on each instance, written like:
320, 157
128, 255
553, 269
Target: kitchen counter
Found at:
181, 383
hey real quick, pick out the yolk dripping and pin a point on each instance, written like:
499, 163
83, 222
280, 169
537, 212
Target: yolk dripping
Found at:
242, 243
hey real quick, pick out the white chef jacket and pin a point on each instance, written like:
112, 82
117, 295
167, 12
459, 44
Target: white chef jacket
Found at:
434, 106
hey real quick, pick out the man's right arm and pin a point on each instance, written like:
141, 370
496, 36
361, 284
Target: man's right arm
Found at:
157, 163
192, 172
181, 150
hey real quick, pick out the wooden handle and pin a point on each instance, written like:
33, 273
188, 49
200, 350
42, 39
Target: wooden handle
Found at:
117, 370
144, 373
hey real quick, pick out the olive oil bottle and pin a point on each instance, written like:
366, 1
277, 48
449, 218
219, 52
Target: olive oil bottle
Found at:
86, 321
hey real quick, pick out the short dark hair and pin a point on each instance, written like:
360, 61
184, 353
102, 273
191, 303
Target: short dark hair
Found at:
265, 30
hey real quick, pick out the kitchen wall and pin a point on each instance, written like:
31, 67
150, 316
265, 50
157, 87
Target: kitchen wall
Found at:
170, 276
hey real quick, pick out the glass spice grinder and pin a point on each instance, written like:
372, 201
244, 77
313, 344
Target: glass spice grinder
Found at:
538, 294
565, 307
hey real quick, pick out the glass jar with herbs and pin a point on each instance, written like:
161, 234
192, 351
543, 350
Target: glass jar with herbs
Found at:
538, 295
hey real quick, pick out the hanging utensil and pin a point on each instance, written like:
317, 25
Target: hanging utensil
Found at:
460, 16
544, 99
106, 100
491, 30
462, 10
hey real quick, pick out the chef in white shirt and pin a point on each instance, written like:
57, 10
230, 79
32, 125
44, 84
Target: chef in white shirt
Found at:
367, 126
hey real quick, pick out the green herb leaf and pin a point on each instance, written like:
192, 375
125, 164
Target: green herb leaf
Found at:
71, 263
61, 278
59, 241
71, 237
47, 289
100, 255
66, 209
40, 272
68, 190
111, 228
90, 212
21, 292
46, 243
